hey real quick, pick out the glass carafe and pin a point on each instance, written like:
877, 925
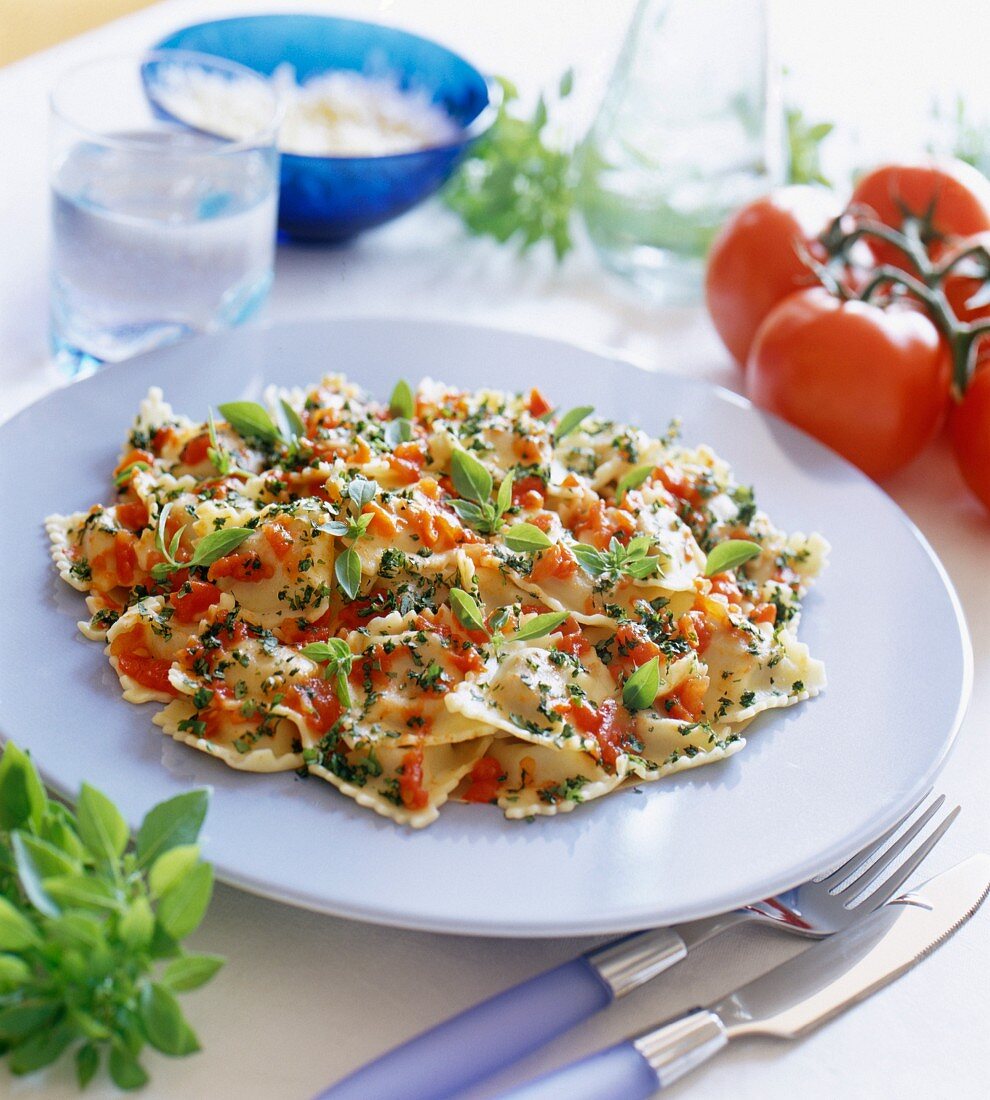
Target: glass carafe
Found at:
690, 129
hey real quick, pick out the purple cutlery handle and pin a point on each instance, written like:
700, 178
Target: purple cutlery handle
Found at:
448, 1058
617, 1073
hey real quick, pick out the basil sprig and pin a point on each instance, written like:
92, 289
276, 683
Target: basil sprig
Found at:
730, 555
467, 610
402, 403
570, 420
398, 431
250, 420
639, 691
470, 615
337, 659
474, 484
618, 561
347, 567
254, 422
216, 452
215, 545
540, 626
632, 479
527, 538
91, 927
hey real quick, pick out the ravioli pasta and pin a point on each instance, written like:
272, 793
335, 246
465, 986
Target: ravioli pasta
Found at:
440, 597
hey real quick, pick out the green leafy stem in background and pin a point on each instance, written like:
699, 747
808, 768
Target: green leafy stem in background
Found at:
514, 186
91, 925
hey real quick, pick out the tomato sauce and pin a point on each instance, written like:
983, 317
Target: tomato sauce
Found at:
279, 539
600, 524
196, 450
134, 660
486, 777
315, 698
602, 724
526, 485
538, 404
190, 606
414, 795
242, 566
557, 563
132, 514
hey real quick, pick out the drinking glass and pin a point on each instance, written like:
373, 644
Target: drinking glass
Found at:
159, 231
690, 129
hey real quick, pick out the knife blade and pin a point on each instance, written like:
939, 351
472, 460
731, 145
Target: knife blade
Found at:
789, 1001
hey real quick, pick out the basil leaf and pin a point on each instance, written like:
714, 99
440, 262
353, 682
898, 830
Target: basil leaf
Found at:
730, 555
591, 560
398, 431
527, 538
79, 930
541, 626
87, 1063
137, 925
83, 891
126, 1071
250, 420
190, 972
184, 905
343, 688
292, 419
570, 420
362, 491
40, 1049
101, 827
637, 547
639, 691
466, 608
641, 568
471, 479
22, 794
402, 403
347, 569
469, 511
503, 502
632, 479
218, 455
218, 544
35, 861
164, 1024
23, 1017
14, 971
171, 867
334, 527
171, 824
16, 931
334, 649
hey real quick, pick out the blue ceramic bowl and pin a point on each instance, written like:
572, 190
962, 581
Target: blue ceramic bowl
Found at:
333, 198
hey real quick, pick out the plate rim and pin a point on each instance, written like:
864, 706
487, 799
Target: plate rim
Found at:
718, 903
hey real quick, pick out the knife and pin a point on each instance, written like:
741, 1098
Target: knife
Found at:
786, 1003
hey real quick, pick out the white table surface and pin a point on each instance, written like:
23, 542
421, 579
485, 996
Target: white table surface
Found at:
305, 998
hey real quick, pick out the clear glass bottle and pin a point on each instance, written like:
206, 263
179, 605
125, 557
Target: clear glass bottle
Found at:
689, 130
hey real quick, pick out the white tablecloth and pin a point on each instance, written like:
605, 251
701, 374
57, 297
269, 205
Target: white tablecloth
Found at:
304, 998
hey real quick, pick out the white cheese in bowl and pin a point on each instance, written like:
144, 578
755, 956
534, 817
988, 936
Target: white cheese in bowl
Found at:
335, 114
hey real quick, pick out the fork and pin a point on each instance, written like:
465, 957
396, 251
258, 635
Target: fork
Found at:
442, 1061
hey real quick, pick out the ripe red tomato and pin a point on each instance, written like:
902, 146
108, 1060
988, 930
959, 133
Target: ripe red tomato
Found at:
871, 383
969, 430
953, 194
755, 260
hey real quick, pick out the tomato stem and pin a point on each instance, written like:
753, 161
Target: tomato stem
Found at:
961, 337
926, 285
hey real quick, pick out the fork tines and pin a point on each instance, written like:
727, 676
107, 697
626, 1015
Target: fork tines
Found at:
874, 874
